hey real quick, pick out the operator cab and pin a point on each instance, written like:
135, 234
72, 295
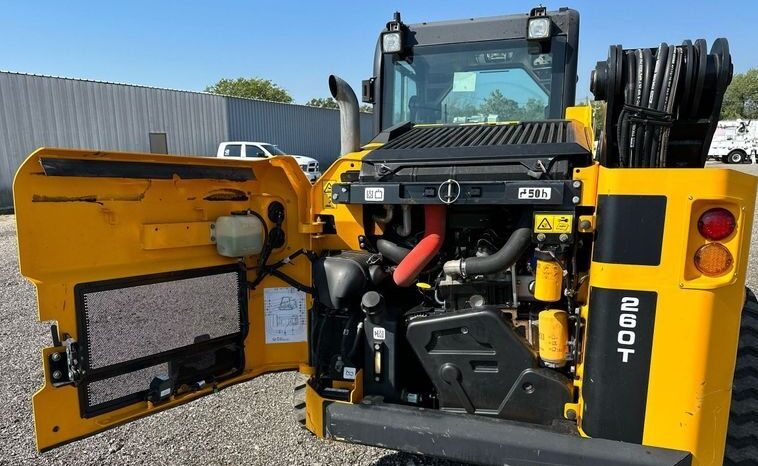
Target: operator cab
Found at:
480, 70
489, 94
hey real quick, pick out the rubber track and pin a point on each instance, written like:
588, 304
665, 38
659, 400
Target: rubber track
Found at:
298, 399
742, 437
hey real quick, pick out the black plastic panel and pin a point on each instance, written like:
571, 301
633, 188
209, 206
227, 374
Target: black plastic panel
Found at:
483, 440
473, 358
617, 363
561, 193
629, 229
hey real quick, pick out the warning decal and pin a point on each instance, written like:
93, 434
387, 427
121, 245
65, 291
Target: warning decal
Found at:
553, 222
328, 202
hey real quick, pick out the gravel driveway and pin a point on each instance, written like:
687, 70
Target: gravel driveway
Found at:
245, 424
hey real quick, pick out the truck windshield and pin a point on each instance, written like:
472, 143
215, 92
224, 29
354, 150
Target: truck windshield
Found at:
467, 83
273, 150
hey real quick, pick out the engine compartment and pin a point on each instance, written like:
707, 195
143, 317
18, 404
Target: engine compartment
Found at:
464, 308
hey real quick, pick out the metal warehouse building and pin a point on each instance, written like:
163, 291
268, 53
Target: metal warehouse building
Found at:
38, 111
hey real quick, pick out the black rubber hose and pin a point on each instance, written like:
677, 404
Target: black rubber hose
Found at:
517, 244
347, 344
351, 355
655, 92
391, 251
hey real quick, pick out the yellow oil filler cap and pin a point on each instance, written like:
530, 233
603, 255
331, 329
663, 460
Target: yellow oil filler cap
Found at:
548, 281
553, 330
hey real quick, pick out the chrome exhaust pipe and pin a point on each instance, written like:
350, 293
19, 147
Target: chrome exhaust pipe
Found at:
350, 129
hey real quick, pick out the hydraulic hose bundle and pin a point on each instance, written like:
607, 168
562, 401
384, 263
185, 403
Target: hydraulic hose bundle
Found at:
663, 104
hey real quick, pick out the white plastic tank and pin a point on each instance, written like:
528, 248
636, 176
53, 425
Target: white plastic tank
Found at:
239, 235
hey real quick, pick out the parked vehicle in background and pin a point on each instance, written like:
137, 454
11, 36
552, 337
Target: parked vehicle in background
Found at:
258, 150
735, 141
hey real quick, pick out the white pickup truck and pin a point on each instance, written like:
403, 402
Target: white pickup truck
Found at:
257, 150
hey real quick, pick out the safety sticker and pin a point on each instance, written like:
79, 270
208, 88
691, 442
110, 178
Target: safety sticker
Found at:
328, 201
348, 373
373, 194
553, 222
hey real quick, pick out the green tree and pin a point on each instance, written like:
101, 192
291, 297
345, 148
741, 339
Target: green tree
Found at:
741, 97
598, 116
534, 109
251, 88
497, 104
459, 104
322, 102
329, 102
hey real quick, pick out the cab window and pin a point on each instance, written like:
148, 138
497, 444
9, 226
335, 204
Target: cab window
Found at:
233, 150
254, 151
490, 81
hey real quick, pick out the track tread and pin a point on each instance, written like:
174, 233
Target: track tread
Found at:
298, 399
742, 437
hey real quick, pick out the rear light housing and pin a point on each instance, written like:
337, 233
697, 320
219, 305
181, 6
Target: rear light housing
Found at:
716, 224
713, 259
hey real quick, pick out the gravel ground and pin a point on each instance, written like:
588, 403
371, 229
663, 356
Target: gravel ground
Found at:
248, 423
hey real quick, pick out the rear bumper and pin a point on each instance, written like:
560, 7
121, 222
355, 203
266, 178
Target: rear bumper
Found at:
481, 440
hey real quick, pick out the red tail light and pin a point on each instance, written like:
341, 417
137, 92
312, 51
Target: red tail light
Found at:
716, 224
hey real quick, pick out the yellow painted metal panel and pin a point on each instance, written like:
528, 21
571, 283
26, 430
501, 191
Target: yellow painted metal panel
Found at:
697, 318
176, 235
80, 229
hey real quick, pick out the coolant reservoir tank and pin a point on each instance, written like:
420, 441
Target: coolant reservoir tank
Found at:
238, 235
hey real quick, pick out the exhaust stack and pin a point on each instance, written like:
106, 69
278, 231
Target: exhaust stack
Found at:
350, 130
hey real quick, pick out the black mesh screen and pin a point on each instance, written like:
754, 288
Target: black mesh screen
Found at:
132, 330
528, 132
105, 391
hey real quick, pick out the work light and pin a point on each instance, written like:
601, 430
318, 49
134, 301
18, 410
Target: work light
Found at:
392, 38
539, 28
392, 42
538, 24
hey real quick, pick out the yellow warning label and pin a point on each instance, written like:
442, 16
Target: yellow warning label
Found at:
553, 222
328, 202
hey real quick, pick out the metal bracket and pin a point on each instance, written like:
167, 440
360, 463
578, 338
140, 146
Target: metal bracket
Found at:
65, 366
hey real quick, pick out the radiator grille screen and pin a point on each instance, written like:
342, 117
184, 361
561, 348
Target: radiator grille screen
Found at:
114, 388
132, 330
529, 132
131, 323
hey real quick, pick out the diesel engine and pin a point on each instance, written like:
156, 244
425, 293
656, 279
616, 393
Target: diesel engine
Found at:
462, 297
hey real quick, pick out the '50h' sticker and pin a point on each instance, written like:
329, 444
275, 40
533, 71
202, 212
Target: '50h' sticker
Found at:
534, 193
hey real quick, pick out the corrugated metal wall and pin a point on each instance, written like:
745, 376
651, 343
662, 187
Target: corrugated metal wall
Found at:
38, 111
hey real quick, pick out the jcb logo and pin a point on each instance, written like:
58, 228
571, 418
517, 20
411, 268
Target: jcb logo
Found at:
627, 325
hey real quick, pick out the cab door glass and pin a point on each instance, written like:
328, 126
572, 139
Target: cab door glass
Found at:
405, 104
254, 152
233, 150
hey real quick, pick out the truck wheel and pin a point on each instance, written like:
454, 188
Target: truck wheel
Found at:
298, 398
742, 436
736, 156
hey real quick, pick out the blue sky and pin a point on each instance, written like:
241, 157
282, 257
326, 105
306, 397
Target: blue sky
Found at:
190, 44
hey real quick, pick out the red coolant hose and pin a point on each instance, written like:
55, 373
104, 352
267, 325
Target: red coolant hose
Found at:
434, 235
